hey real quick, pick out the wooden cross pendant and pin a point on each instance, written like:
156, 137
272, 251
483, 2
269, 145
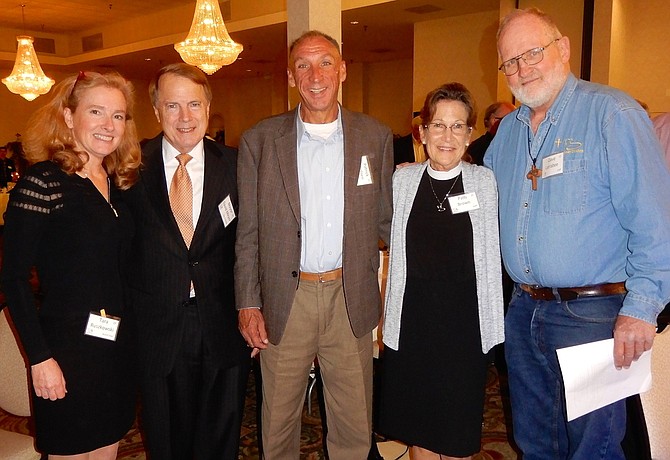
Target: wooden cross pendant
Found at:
533, 174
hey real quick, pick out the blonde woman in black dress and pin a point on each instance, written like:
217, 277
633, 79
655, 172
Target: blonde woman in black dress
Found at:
66, 218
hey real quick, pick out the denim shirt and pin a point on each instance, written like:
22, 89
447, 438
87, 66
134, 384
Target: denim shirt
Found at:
606, 217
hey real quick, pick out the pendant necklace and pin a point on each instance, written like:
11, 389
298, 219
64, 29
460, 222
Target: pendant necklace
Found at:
440, 204
535, 173
109, 197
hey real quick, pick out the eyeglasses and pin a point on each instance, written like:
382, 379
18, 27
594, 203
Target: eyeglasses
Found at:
457, 129
531, 57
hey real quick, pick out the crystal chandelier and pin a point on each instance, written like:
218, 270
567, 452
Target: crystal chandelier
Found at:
208, 45
27, 78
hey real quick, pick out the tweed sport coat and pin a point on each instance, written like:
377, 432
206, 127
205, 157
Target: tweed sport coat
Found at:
268, 233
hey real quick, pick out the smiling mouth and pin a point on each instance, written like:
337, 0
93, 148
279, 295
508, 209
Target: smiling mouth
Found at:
317, 90
185, 130
103, 137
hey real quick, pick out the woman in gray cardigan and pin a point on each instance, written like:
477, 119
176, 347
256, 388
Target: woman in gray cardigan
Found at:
444, 304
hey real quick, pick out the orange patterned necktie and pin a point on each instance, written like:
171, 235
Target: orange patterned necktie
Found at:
181, 198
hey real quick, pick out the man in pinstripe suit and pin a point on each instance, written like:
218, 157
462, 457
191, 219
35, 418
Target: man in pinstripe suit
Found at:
194, 364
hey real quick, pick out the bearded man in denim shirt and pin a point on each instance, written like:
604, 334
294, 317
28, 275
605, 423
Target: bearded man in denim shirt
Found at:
585, 234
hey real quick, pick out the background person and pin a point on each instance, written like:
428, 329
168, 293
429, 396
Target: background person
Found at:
194, 364
444, 305
492, 116
585, 234
315, 198
67, 218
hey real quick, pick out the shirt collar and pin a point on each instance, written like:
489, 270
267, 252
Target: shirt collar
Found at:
170, 153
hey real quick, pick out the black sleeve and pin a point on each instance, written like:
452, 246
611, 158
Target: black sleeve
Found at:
31, 203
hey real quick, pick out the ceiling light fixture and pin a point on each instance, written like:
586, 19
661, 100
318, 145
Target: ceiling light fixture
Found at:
208, 45
27, 78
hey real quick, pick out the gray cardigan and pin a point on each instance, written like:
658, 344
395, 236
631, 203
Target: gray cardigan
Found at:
486, 251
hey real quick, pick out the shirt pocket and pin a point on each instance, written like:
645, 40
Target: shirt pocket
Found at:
566, 192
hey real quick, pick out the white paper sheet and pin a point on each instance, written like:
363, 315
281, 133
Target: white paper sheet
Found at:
591, 380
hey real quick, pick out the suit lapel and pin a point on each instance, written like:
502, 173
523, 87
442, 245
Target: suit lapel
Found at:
215, 180
287, 155
352, 159
153, 176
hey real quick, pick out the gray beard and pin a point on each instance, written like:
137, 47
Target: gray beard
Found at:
553, 86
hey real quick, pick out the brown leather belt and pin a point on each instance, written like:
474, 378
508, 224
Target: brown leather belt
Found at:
322, 277
599, 290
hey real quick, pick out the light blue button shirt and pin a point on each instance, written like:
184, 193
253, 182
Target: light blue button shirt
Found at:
606, 218
321, 182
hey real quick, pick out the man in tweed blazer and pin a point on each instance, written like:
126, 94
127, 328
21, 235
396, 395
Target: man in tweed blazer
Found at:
315, 198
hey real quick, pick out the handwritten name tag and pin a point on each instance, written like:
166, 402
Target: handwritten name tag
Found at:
227, 211
103, 327
552, 165
365, 175
463, 203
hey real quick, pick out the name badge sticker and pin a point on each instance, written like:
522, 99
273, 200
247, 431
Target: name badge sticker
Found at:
552, 165
226, 210
365, 175
102, 326
463, 203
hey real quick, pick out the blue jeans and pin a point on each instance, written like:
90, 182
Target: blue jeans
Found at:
534, 329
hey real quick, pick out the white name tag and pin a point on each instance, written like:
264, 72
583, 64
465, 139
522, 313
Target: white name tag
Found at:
103, 327
463, 203
364, 175
226, 210
552, 165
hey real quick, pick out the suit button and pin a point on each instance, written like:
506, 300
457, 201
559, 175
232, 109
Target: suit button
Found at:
294, 274
193, 264
299, 234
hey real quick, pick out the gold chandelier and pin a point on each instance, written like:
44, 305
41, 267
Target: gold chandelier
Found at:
208, 45
27, 78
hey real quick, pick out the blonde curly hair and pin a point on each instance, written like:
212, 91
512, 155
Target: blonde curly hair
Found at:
49, 138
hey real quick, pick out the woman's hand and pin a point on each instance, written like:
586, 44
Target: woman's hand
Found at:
48, 380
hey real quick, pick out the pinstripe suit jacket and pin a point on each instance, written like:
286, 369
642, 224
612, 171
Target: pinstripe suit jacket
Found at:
268, 234
162, 267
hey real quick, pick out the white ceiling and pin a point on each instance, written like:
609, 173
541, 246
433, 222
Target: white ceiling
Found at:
384, 32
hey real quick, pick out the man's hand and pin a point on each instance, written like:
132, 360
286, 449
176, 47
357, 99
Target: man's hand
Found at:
48, 380
632, 337
252, 328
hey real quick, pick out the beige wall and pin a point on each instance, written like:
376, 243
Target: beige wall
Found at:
462, 49
643, 62
388, 94
242, 103
353, 87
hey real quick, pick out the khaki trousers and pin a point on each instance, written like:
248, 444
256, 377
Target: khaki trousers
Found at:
318, 326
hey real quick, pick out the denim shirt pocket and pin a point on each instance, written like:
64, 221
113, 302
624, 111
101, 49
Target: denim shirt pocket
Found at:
566, 193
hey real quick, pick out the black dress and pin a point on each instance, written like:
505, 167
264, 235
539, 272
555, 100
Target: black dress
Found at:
63, 226
432, 388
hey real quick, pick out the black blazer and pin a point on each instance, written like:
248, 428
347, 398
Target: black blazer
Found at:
162, 267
